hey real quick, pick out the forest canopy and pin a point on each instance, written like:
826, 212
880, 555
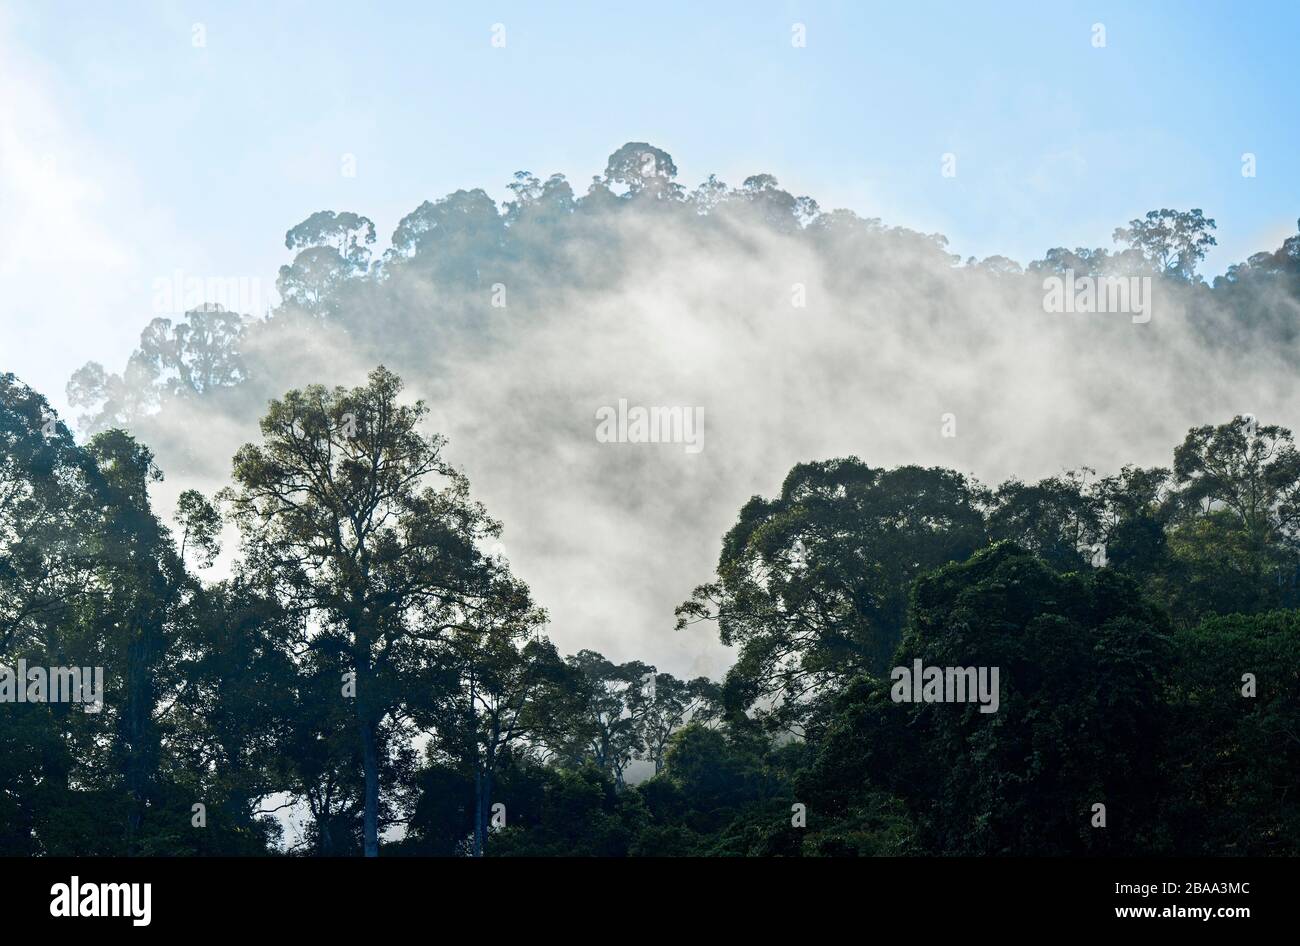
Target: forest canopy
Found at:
367, 658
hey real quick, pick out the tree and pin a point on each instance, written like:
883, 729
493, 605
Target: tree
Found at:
1235, 757
813, 586
610, 704
314, 281
196, 356
342, 522
1134, 507
672, 704
775, 207
1082, 665
201, 527
230, 743
537, 200
135, 598
646, 171
46, 519
710, 775
1234, 538
1173, 242
1252, 471
1081, 261
199, 355
505, 693
709, 195
347, 233
333, 252
45, 487
566, 812
1057, 518
113, 400
456, 237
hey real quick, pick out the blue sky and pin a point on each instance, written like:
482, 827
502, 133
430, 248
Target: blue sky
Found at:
127, 152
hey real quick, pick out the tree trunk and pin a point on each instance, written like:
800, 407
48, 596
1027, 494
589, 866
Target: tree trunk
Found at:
478, 811
479, 834
482, 807
369, 725
370, 762
140, 734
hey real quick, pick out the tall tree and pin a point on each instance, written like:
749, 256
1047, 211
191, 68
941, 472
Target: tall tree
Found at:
508, 690
341, 518
646, 171
813, 585
1173, 242
133, 607
1057, 518
669, 705
612, 700
46, 519
1251, 470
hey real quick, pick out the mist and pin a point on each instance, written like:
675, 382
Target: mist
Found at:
797, 335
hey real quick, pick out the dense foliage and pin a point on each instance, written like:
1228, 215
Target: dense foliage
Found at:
372, 666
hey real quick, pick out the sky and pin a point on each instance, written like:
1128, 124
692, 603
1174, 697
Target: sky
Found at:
139, 140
